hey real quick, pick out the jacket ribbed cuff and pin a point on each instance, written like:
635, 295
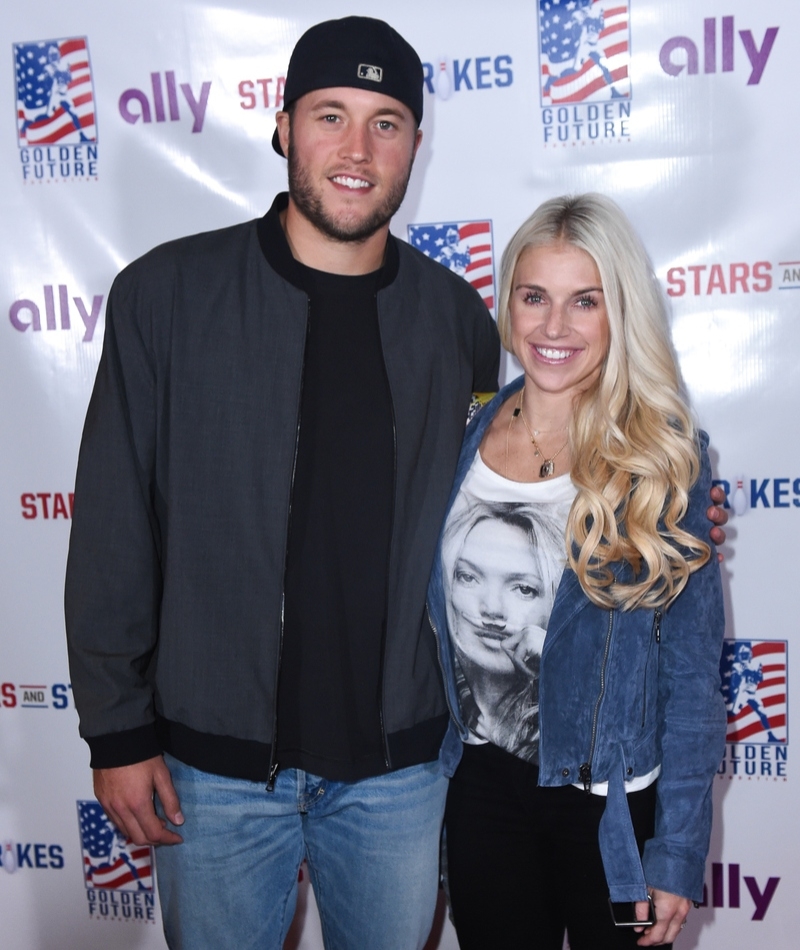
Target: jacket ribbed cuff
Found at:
123, 748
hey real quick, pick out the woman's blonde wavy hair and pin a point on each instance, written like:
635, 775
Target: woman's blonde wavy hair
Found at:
634, 445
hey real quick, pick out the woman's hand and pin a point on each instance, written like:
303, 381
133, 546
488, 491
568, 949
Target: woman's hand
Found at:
671, 914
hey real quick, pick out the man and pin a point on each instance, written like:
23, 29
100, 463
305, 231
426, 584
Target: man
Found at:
266, 459
267, 455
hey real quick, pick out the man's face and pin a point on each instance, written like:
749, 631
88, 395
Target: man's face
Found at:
350, 154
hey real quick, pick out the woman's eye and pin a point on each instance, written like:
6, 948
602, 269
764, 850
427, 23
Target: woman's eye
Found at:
586, 303
464, 577
527, 591
532, 297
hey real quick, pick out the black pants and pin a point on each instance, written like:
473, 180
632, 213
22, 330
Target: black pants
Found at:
523, 862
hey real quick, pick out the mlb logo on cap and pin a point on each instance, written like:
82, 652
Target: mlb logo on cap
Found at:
375, 73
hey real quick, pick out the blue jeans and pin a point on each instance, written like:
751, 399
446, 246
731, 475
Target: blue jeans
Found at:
372, 848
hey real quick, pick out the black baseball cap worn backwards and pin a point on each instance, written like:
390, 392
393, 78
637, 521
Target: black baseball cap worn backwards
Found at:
355, 51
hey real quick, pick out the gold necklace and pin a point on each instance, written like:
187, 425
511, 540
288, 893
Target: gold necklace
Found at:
547, 467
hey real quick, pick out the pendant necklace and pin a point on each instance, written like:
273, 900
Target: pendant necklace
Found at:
548, 466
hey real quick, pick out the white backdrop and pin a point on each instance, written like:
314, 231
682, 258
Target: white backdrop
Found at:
686, 113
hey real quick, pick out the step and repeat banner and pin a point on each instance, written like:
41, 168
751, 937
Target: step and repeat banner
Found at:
125, 125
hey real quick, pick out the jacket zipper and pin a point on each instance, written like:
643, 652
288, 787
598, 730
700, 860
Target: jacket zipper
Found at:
585, 770
657, 638
387, 760
274, 765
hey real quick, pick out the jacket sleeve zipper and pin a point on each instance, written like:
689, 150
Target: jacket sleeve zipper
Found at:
585, 770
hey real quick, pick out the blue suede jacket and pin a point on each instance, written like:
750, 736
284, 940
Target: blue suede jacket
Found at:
620, 693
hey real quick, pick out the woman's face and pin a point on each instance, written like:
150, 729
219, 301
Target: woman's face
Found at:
559, 323
499, 599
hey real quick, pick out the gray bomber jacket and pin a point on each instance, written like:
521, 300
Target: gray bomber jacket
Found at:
176, 561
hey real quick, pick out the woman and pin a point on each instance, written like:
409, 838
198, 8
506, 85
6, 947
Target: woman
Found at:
589, 753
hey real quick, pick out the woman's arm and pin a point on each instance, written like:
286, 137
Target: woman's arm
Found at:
691, 719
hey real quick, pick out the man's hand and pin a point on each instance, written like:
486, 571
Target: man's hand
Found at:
718, 516
126, 794
671, 914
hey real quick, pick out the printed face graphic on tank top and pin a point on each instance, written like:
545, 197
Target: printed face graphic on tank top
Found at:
503, 561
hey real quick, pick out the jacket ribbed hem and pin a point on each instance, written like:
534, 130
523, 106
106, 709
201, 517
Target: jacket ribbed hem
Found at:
219, 755
420, 743
248, 759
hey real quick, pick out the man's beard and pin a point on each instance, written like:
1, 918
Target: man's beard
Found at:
309, 203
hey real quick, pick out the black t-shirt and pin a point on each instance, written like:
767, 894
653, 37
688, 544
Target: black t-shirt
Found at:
329, 689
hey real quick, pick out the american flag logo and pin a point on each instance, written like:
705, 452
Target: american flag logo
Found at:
754, 686
465, 247
55, 93
110, 860
585, 51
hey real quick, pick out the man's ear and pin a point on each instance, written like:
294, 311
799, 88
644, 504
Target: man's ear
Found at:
417, 142
283, 121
